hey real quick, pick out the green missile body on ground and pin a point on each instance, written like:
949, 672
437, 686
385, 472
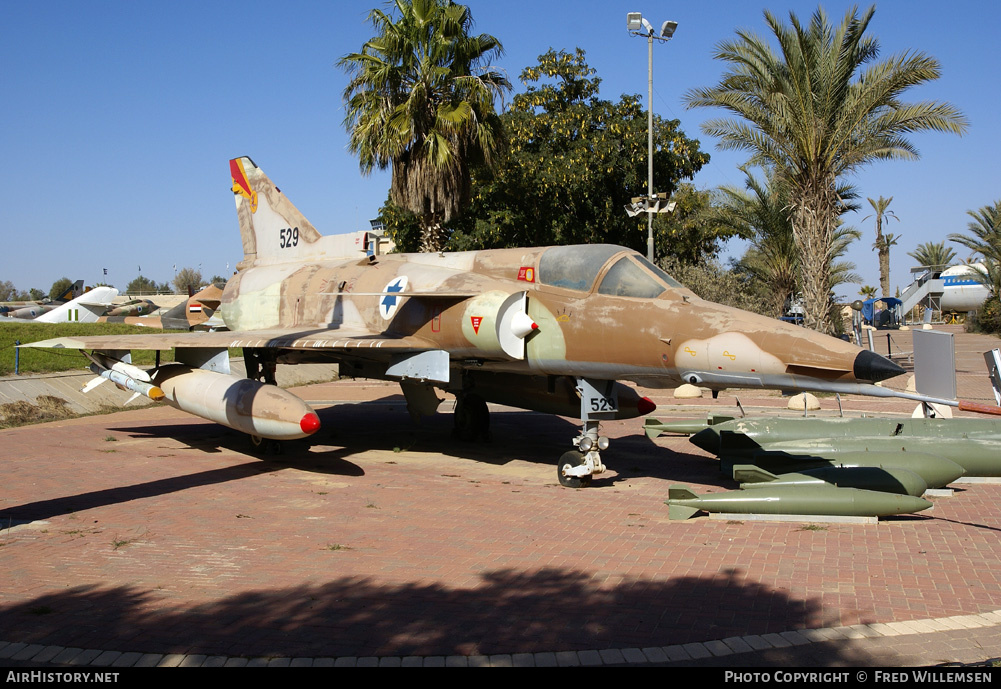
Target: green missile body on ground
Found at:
825, 500
935, 471
900, 481
767, 430
972, 444
654, 427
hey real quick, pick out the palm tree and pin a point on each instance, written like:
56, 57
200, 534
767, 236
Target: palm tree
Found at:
867, 291
984, 238
810, 113
934, 255
883, 242
761, 213
421, 98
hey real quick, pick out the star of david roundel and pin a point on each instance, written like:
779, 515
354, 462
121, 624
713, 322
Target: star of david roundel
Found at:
391, 300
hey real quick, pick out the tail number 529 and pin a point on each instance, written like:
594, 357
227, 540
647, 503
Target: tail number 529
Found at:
289, 237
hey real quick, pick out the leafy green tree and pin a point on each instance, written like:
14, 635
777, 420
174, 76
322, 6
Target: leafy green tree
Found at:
7, 291
573, 163
933, 255
59, 287
689, 233
35, 294
713, 282
143, 285
820, 109
421, 99
883, 241
187, 279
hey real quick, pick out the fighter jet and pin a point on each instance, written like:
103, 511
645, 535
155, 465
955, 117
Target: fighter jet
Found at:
86, 308
555, 329
32, 311
131, 308
187, 315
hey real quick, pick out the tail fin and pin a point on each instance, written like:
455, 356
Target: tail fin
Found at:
749, 473
272, 229
75, 290
680, 512
86, 308
652, 428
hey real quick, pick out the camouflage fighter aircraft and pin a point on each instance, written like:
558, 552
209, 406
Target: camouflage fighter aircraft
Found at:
552, 329
187, 315
133, 307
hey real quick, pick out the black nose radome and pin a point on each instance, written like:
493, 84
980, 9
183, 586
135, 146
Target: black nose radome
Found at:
873, 367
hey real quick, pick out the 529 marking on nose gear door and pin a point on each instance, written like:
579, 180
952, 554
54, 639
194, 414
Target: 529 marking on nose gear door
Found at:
603, 404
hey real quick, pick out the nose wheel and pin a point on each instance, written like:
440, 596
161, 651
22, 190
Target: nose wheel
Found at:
571, 463
598, 400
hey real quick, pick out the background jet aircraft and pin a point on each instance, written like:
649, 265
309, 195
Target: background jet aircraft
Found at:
133, 307
550, 329
32, 311
188, 314
86, 308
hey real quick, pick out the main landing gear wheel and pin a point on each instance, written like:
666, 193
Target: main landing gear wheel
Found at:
266, 446
569, 460
472, 418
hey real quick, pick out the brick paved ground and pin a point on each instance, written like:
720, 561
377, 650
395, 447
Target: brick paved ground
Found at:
149, 531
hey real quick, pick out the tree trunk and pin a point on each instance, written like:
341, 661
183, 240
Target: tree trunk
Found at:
883, 252
433, 237
813, 230
884, 269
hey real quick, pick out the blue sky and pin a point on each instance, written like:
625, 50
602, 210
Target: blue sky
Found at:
119, 118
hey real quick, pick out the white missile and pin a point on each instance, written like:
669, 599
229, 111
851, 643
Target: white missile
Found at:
125, 382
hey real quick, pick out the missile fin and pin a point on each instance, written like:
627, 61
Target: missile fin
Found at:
92, 384
680, 512
651, 426
748, 473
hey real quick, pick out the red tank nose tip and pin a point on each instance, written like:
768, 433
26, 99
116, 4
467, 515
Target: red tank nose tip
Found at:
310, 423
645, 405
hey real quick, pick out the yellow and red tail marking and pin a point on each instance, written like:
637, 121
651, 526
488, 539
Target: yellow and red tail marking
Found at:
240, 184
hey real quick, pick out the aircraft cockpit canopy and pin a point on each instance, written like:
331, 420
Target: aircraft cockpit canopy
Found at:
577, 267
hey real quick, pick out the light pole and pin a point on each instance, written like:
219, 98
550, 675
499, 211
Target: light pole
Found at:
638, 26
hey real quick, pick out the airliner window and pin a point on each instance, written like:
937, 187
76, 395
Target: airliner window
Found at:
626, 279
574, 267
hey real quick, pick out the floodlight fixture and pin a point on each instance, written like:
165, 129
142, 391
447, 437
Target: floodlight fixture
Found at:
639, 26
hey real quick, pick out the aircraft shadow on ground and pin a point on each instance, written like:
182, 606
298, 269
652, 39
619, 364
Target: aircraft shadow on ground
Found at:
350, 430
508, 612
527, 436
45, 509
